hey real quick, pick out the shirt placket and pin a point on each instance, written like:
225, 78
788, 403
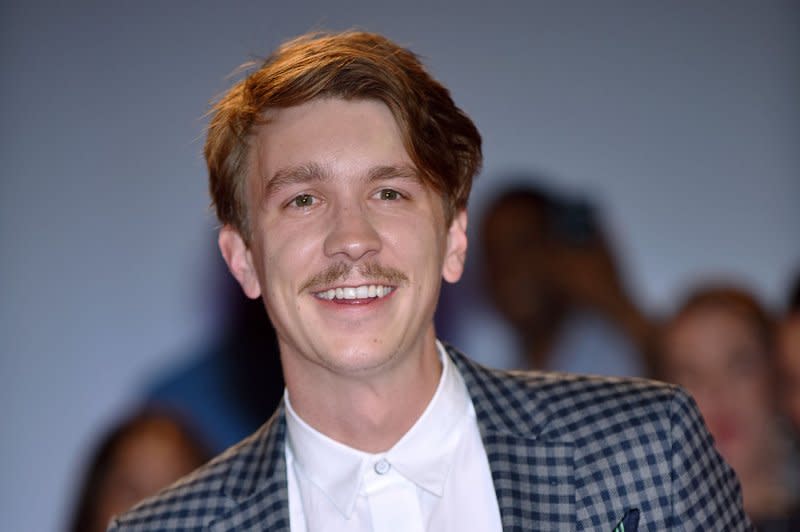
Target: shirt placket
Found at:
392, 499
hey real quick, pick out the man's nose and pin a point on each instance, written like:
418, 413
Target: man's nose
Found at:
351, 234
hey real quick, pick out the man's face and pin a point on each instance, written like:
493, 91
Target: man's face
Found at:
348, 246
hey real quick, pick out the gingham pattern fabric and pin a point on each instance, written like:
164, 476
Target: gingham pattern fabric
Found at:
566, 453
571, 452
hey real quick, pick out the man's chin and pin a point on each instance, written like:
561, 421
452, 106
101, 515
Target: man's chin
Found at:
356, 358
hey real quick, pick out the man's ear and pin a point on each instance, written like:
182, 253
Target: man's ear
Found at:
456, 252
239, 259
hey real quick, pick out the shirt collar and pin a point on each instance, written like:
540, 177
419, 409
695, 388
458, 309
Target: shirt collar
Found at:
424, 455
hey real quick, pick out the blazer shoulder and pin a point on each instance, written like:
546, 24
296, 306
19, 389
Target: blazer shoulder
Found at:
207, 493
564, 405
588, 404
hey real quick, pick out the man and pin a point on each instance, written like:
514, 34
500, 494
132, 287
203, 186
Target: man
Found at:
340, 171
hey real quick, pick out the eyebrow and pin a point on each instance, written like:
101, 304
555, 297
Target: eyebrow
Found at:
292, 175
310, 172
404, 171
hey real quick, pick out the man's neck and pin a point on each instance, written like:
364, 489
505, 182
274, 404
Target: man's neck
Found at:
366, 412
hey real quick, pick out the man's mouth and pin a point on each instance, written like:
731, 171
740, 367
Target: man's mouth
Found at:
366, 291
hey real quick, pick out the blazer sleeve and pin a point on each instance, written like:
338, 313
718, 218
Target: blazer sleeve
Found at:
705, 491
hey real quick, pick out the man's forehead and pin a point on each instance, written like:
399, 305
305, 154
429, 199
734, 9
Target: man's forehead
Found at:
273, 115
321, 172
313, 138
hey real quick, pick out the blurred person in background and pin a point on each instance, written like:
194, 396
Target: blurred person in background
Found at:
549, 272
232, 383
719, 346
143, 454
789, 359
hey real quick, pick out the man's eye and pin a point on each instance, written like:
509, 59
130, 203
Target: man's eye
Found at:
389, 194
303, 200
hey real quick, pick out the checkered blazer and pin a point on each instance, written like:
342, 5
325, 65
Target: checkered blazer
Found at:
566, 453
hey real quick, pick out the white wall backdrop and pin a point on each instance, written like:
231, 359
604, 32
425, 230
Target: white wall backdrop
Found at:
682, 118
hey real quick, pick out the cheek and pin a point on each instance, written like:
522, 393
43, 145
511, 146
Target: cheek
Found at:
280, 278
289, 253
413, 239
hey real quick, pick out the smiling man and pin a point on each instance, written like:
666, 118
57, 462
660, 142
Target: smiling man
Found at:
340, 170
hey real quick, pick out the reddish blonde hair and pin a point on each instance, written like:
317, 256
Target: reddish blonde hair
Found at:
440, 139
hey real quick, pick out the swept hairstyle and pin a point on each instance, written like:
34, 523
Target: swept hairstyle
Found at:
440, 138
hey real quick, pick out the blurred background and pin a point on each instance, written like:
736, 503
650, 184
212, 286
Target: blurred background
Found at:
680, 121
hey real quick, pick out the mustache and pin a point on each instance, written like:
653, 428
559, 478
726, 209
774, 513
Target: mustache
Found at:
339, 271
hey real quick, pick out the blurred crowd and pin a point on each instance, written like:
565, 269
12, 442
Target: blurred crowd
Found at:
558, 301
722, 346
555, 300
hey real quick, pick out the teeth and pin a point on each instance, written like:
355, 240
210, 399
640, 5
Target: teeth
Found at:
355, 292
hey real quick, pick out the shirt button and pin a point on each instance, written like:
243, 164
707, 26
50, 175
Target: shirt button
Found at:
382, 466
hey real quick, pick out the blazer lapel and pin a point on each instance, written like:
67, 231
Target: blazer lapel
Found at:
532, 474
257, 483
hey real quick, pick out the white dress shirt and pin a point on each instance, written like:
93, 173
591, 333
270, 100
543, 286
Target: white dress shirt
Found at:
436, 477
